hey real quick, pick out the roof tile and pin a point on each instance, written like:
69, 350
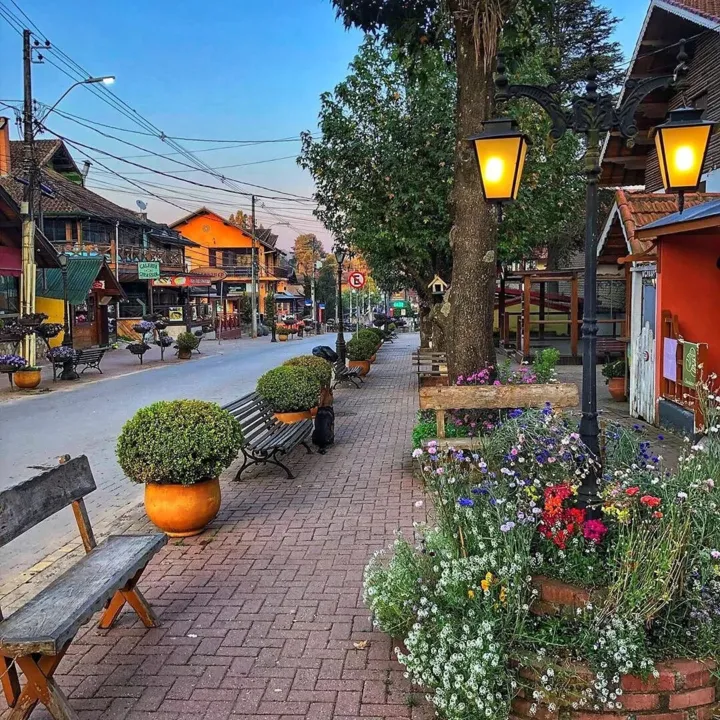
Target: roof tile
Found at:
707, 8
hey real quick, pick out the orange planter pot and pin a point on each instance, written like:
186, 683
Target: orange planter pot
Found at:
293, 417
282, 338
616, 386
373, 358
364, 366
27, 379
183, 510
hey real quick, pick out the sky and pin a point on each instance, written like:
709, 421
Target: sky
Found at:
242, 70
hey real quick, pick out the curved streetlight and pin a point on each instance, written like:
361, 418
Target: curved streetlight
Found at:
104, 79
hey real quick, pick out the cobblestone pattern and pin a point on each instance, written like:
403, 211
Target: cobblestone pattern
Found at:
262, 615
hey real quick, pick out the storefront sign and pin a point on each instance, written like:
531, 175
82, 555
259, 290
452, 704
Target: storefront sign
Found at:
690, 359
148, 270
213, 273
98, 285
175, 313
182, 281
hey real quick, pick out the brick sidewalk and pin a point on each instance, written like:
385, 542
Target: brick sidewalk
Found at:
262, 615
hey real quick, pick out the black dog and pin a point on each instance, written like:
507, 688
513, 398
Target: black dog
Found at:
324, 433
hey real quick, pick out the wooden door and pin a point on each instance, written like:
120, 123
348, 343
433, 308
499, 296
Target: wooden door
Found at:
642, 389
85, 324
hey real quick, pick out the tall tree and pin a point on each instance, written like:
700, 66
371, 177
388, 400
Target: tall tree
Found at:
242, 220
308, 250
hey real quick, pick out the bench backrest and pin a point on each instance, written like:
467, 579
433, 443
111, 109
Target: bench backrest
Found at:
254, 415
92, 353
29, 502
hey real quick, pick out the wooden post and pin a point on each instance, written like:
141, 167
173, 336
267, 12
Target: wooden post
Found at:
501, 309
574, 308
542, 308
526, 317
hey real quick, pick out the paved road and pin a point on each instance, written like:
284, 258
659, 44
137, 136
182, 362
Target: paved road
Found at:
35, 431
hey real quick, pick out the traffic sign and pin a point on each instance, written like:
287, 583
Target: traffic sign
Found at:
356, 280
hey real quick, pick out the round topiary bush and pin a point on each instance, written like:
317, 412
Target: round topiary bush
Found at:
361, 348
371, 335
179, 442
321, 368
187, 342
289, 388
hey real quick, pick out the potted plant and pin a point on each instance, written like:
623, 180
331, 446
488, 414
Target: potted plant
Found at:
359, 352
27, 377
282, 333
178, 449
186, 342
322, 370
12, 363
614, 372
373, 335
291, 391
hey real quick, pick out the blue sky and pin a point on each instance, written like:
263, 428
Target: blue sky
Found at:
248, 69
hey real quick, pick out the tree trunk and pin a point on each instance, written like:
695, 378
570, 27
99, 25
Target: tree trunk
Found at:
425, 325
473, 239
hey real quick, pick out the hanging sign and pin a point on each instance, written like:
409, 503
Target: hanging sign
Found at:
148, 270
356, 280
690, 358
98, 285
182, 281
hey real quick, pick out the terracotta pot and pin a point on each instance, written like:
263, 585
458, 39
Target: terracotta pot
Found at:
282, 338
373, 358
182, 510
616, 386
293, 417
364, 366
184, 354
27, 379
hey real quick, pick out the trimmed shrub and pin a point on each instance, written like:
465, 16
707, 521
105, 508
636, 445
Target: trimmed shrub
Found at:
187, 342
321, 368
371, 334
290, 388
359, 348
178, 442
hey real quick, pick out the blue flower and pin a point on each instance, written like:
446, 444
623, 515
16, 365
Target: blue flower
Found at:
661, 437
466, 502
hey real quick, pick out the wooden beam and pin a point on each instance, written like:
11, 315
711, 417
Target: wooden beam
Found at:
482, 397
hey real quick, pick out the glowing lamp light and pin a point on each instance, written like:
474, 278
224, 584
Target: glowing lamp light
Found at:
682, 143
500, 150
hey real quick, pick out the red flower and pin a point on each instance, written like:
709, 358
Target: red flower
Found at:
632, 491
594, 531
657, 514
650, 501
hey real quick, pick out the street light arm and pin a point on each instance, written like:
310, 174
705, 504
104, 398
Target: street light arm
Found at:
60, 99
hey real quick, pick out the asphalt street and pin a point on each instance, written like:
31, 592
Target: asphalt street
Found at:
35, 431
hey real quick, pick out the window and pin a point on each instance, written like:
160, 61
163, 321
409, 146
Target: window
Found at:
55, 230
9, 304
213, 258
230, 258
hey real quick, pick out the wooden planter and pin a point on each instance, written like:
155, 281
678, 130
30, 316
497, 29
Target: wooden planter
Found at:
293, 417
27, 379
616, 387
684, 689
364, 366
183, 510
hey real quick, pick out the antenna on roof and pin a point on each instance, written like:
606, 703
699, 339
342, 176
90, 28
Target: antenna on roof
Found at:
142, 205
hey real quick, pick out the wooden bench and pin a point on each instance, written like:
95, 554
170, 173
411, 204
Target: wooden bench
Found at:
36, 637
608, 347
342, 373
265, 437
88, 358
431, 367
489, 397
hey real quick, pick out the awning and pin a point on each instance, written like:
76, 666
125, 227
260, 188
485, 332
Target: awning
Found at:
83, 274
10, 261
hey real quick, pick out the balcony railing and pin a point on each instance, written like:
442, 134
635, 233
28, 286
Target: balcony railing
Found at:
243, 268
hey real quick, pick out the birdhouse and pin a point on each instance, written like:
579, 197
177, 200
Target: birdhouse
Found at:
438, 286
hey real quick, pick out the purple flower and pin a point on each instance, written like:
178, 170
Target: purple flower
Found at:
507, 526
466, 502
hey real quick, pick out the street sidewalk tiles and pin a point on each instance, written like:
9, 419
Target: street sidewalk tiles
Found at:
262, 615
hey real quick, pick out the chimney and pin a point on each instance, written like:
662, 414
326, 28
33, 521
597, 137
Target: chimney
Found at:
86, 169
4, 146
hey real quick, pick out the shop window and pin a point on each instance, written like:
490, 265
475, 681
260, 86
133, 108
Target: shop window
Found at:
230, 258
9, 295
212, 258
85, 313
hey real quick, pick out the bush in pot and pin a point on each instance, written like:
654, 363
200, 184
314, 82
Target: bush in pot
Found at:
614, 373
359, 352
186, 342
291, 391
178, 449
321, 368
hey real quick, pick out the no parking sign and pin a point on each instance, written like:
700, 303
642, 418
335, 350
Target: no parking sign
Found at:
356, 280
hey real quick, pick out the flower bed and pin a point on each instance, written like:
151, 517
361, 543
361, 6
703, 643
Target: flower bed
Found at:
515, 602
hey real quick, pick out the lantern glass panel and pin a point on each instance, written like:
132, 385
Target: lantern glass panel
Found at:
681, 153
501, 161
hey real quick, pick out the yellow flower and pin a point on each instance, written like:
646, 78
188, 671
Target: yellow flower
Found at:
503, 595
471, 594
485, 584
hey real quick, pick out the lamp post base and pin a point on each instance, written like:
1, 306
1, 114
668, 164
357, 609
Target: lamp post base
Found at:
69, 372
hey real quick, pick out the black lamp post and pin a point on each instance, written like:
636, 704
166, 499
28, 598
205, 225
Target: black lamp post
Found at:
68, 372
340, 255
501, 153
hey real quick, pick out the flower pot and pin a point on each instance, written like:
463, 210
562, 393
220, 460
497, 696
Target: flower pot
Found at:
364, 366
282, 338
293, 417
616, 386
184, 354
182, 510
313, 412
27, 379
373, 358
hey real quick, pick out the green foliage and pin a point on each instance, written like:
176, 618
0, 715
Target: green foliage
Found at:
426, 429
544, 364
290, 388
613, 369
187, 342
270, 309
178, 442
373, 335
361, 348
321, 368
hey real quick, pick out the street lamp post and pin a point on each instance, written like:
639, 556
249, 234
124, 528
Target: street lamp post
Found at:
68, 372
500, 151
104, 79
340, 255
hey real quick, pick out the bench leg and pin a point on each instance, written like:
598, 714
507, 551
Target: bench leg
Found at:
307, 447
41, 687
10, 681
133, 597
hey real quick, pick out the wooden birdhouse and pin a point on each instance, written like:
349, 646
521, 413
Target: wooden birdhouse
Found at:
438, 286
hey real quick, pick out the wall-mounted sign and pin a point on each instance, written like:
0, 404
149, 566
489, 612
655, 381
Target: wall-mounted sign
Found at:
182, 281
98, 285
210, 272
148, 270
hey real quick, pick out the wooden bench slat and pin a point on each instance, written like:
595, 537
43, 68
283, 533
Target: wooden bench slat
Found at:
481, 397
24, 505
52, 618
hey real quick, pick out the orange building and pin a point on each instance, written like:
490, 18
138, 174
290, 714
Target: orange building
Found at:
228, 247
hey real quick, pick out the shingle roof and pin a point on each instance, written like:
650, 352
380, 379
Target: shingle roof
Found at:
639, 210
702, 211
706, 8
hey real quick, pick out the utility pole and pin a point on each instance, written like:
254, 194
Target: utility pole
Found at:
29, 270
253, 290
